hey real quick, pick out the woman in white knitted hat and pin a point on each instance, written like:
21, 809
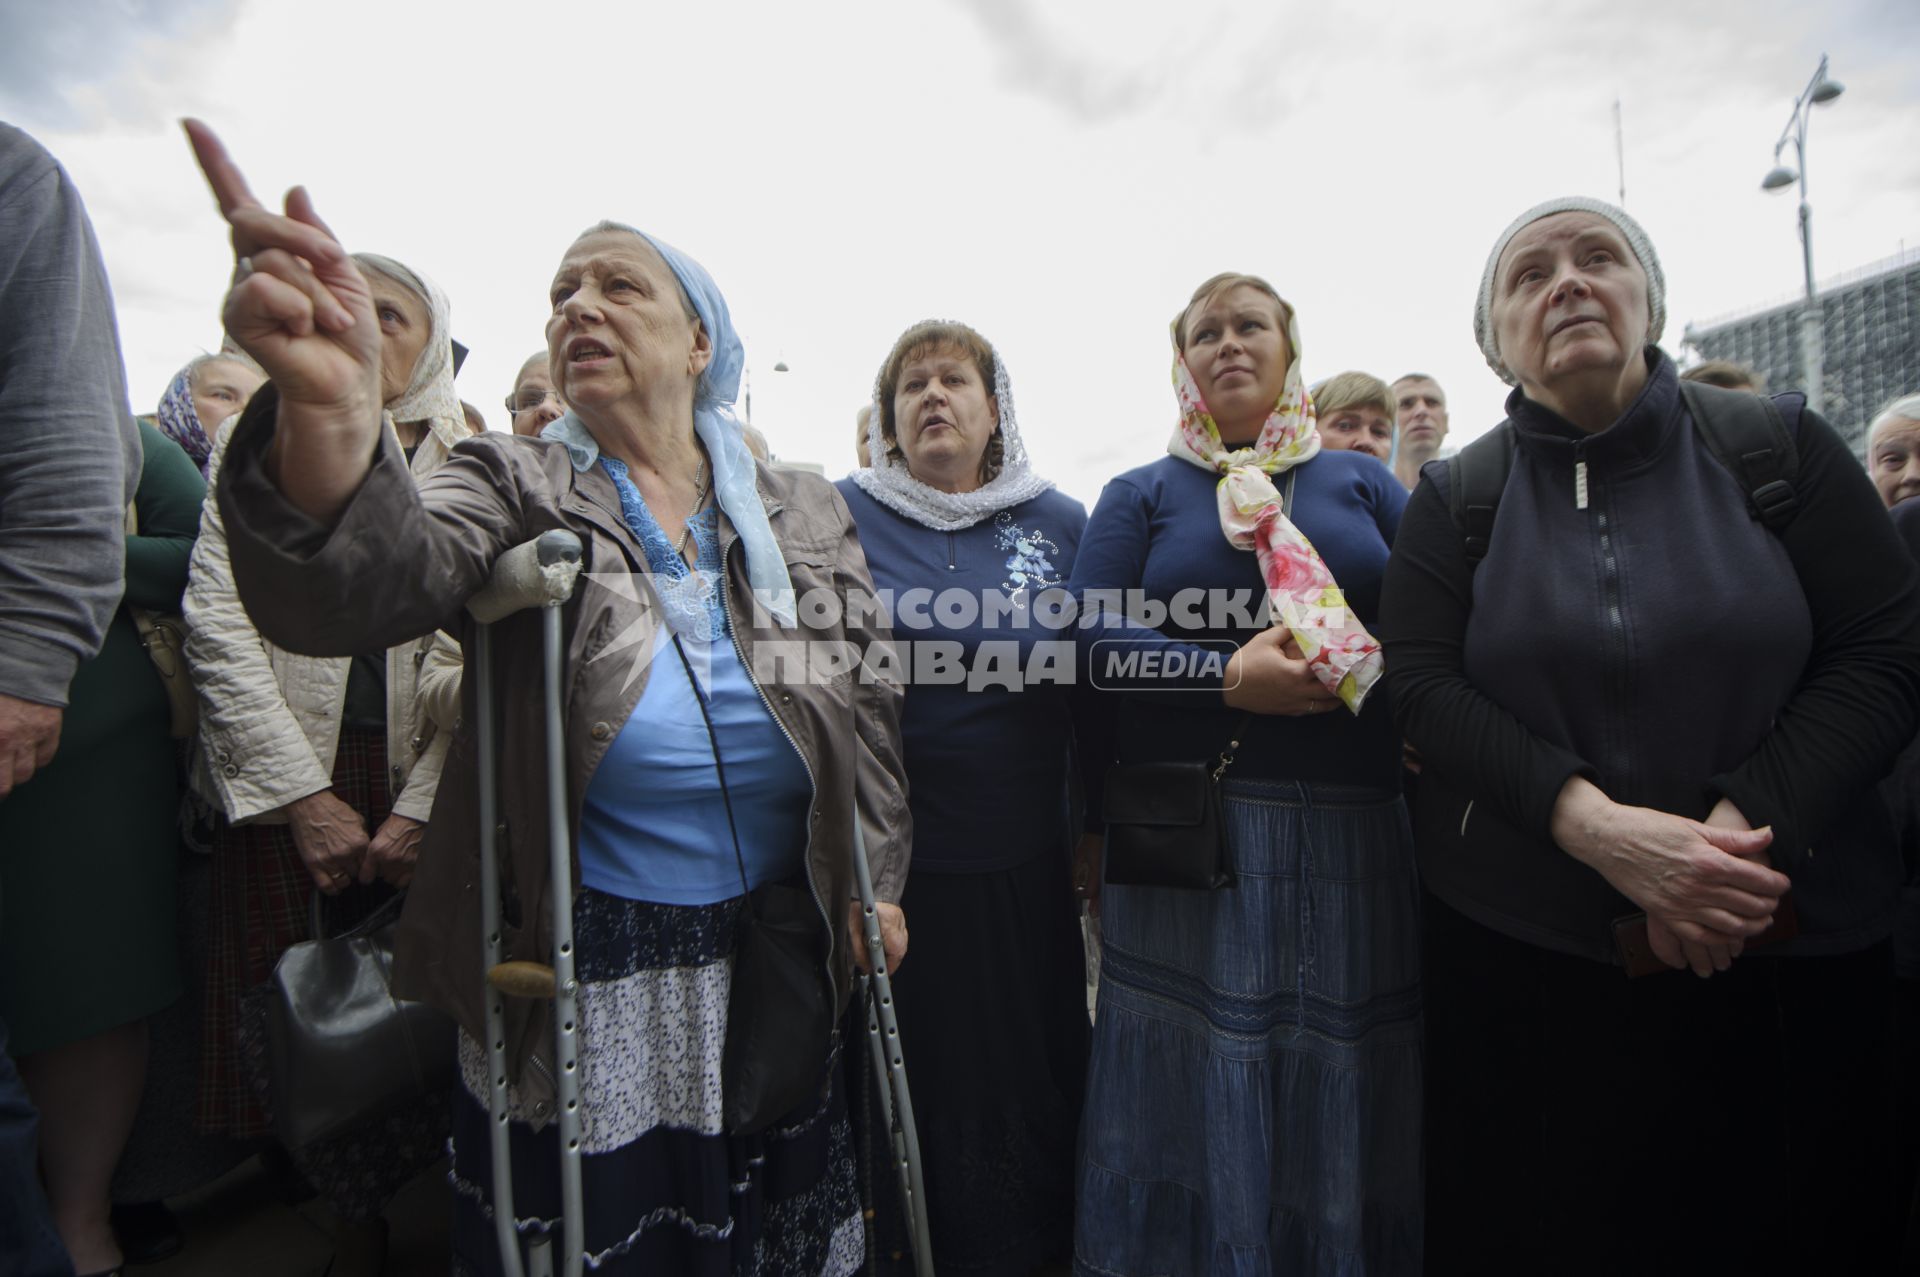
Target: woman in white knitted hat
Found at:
1653, 690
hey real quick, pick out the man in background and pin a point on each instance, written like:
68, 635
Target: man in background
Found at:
1420, 425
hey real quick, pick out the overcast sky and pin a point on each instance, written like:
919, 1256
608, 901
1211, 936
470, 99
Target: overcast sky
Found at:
1058, 175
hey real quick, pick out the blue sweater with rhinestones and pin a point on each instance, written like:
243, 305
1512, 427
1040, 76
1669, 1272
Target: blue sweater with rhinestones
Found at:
988, 725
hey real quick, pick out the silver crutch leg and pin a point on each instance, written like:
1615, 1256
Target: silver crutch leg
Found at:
896, 1100
540, 574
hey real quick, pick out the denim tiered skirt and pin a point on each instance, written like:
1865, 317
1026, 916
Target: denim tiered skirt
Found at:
1254, 1096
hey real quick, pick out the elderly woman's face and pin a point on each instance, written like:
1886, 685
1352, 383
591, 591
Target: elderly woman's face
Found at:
943, 416
1238, 354
405, 326
1365, 428
1569, 298
220, 389
619, 332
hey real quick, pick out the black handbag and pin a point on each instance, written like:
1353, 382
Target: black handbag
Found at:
1164, 827
341, 1047
780, 1011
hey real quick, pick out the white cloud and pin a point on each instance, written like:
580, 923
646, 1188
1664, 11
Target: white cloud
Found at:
1060, 176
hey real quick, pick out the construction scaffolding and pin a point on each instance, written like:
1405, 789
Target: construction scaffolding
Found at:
1870, 319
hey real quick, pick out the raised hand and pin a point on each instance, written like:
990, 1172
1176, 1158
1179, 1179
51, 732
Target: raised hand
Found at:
302, 309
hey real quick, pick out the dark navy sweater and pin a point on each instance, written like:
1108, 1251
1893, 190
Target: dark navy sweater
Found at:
1666, 645
987, 764
1157, 530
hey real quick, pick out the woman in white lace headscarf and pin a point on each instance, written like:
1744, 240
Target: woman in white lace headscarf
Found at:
993, 1006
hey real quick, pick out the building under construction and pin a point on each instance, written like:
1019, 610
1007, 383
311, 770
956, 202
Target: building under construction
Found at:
1871, 321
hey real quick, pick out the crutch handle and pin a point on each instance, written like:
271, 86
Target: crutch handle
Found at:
523, 979
536, 573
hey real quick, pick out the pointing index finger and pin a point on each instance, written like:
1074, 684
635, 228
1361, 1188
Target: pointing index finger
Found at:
223, 175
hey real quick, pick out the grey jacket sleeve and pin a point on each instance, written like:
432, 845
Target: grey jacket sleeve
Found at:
69, 452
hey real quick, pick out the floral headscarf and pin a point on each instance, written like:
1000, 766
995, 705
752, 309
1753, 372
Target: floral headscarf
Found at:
180, 421
1301, 591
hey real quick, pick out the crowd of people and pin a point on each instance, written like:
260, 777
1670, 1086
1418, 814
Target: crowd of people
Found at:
1495, 860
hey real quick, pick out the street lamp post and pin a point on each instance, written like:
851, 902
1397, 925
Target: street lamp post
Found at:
1819, 91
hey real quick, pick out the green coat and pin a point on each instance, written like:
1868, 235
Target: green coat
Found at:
88, 847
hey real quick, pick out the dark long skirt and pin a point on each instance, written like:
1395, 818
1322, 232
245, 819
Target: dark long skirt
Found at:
665, 1189
1581, 1122
992, 1007
1253, 1103
257, 909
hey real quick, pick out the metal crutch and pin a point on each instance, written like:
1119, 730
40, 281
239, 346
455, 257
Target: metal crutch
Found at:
883, 1041
539, 573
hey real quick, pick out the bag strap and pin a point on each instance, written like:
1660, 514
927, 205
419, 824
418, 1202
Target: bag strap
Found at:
1747, 435
720, 770
1476, 476
1225, 760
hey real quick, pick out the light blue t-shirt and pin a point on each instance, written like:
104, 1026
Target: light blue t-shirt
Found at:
654, 826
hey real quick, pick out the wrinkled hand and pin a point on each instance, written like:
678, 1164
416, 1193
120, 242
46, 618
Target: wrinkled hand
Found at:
1270, 675
1697, 881
303, 310
1706, 959
893, 935
1086, 870
29, 737
330, 837
393, 851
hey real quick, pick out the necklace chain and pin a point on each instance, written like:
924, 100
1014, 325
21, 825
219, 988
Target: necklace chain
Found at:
699, 500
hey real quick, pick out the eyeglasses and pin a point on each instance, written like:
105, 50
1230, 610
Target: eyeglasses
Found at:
529, 399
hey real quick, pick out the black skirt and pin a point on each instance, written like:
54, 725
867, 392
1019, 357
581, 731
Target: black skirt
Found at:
992, 1005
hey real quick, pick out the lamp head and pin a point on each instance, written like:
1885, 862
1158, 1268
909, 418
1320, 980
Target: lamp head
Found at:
781, 366
1826, 91
1778, 180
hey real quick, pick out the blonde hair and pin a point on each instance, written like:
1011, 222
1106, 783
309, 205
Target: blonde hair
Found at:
1352, 390
1220, 283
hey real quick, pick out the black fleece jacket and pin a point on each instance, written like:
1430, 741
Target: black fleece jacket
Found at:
1662, 643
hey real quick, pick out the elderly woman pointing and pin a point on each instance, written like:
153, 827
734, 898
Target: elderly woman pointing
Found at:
695, 556
1654, 668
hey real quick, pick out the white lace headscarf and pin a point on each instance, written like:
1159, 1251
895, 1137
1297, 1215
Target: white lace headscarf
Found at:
429, 396
887, 480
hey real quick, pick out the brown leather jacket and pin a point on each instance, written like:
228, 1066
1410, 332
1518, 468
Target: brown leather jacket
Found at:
341, 591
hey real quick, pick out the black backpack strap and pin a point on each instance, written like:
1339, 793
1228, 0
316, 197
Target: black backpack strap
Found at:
1476, 476
1747, 435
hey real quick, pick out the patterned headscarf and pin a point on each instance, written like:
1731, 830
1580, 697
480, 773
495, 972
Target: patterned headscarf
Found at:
1300, 590
180, 421
888, 481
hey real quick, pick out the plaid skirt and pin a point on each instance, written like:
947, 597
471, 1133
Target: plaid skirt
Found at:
257, 909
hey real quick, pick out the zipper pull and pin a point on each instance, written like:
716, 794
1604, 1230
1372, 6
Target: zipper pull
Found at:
1579, 485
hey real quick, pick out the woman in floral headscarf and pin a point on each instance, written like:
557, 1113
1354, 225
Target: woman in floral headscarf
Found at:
205, 393
992, 1010
1253, 1101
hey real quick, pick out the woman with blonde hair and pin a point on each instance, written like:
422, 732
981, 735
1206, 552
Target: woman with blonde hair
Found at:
1253, 1102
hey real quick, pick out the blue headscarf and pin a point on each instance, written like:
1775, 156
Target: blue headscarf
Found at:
734, 486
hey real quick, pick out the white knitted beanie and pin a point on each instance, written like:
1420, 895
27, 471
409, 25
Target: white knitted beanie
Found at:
1636, 240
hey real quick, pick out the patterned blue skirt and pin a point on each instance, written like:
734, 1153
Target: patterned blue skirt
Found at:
1254, 1097
666, 1190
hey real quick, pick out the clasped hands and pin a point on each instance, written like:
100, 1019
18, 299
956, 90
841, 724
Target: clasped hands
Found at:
1706, 885
333, 843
